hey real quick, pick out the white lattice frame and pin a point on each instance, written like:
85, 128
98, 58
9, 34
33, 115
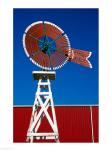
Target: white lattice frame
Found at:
36, 118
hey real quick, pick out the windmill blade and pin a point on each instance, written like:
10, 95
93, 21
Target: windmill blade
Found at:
79, 57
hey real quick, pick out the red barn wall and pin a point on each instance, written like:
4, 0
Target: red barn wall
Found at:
74, 123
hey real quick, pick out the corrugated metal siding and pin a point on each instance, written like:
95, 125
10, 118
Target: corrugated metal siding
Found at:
74, 123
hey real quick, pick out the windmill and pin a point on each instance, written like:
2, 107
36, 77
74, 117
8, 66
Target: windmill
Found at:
48, 47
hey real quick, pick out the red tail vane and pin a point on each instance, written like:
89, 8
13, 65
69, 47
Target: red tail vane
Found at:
79, 57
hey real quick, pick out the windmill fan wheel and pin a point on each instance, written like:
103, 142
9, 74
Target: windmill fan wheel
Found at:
45, 43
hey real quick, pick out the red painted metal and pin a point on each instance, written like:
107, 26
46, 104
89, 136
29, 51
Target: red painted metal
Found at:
79, 57
32, 45
74, 123
95, 113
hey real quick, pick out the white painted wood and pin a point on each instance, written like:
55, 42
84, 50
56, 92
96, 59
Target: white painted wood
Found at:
42, 134
43, 100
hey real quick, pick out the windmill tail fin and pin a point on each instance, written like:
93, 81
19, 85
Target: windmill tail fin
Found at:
79, 57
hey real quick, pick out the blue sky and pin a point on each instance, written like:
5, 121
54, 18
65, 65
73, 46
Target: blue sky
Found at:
74, 84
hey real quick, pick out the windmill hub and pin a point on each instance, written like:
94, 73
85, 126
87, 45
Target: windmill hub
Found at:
47, 46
